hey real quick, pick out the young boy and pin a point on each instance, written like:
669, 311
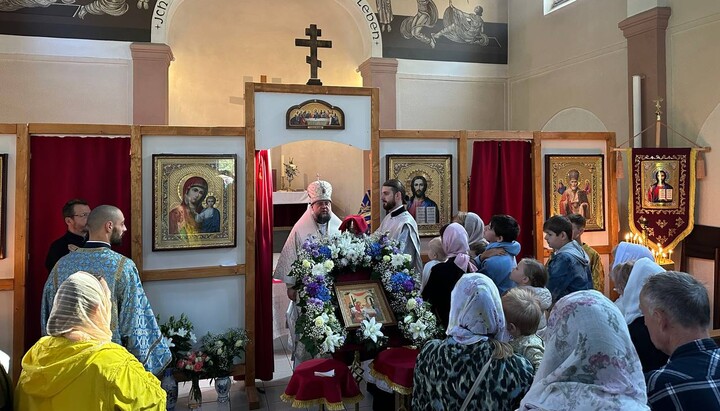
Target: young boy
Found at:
530, 274
498, 260
436, 254
522, 315
569, 267
598, 272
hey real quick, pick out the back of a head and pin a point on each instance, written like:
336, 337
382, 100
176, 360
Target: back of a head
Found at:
681, 296
536, 272
522, 308
577, 219
620, 273
396, 186
505, 226
559, 224
81, 309
436, 247
101, 215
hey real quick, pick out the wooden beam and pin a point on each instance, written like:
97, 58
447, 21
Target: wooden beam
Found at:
420, 134
537, 196
96, 129
251, 389
192, 272
568, 135
7, 284
8, 128
462, 173
613, 223
175, 131
136, 223
375, 159
303, 89
22, 204
500, 135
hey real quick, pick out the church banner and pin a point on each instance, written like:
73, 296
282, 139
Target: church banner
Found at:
662, 194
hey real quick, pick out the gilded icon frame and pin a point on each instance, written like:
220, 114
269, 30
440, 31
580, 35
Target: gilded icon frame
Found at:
178, 225
589, 199
367, 294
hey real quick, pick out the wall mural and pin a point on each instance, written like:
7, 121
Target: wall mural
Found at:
85, 19
459, 34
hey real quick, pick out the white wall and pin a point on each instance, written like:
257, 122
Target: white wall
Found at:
48, 80
212, 304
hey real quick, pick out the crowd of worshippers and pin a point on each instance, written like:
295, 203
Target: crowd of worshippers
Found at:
535, 336
519, 335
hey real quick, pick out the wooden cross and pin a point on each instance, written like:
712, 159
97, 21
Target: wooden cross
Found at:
312, 59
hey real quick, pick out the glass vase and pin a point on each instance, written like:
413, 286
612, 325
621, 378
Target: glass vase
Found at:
195, 395
222, 387
170, 385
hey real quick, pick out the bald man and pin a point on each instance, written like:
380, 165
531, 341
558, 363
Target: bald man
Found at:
133, 323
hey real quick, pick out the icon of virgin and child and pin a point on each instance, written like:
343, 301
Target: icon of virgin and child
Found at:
190, 216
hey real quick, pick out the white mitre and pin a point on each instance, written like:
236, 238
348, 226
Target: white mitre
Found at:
319, 191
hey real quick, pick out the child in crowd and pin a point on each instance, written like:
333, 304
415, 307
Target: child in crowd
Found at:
522, 316
498, 260
569, 266
596, 267
436, 254
532, 275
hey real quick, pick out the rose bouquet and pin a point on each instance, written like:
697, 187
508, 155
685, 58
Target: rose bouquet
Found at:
194, 364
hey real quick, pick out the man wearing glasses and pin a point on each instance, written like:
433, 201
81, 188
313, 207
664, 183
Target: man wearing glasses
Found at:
75, 212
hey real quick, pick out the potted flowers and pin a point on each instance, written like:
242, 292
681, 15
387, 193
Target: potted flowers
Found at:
223, 349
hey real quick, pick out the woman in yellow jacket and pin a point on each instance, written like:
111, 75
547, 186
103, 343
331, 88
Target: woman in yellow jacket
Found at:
77, 367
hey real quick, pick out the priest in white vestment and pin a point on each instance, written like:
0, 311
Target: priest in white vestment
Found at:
318, 221
398, 222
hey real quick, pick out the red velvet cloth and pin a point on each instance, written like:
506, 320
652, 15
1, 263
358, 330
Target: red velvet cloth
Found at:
306, 387
397, 364
501, 183
264, 363
96, 169
356, 223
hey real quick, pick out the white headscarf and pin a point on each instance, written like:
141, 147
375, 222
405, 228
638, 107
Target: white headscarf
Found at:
476, 312
81, 309
641, 271
474, 226
630, 252
590, 362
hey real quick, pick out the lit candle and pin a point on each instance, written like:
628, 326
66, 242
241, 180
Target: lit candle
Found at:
627, 237
670, 254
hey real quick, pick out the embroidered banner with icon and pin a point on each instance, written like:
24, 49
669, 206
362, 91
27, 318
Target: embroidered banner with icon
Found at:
662, 194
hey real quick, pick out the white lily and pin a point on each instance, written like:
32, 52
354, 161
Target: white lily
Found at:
181, 332
371, 329
331, 342
169, 342
418, 329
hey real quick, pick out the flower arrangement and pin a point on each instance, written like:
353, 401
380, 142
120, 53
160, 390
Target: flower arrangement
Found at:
222, 350
320, 261
178, 335
195, 364
291, 170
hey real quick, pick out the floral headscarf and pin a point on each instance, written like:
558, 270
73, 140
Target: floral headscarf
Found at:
455, 244
590, 362
630, 252
476, 312
474, 226
643, 269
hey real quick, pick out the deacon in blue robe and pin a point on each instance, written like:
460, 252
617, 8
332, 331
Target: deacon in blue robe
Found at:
132, 322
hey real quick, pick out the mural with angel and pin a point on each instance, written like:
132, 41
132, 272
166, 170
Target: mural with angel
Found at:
575, 186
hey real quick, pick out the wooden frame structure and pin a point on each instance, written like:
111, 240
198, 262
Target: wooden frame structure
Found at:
462, 137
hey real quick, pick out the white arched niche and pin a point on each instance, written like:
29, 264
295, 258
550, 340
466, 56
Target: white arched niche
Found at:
574, 119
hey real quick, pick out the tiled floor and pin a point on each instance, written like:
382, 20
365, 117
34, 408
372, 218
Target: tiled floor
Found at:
270, 399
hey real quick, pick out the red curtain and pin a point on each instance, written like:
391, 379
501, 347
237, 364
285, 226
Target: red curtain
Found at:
501, 183
264, 361
96, 169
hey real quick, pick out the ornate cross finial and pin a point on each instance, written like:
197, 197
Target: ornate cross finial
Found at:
312, 59
658, 111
